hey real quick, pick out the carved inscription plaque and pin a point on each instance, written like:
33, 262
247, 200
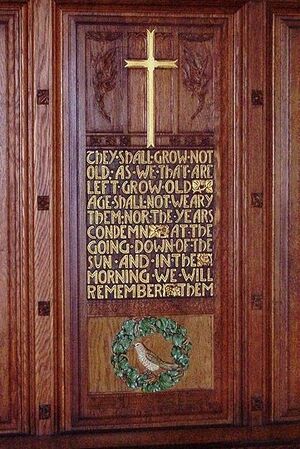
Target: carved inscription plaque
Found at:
150, 223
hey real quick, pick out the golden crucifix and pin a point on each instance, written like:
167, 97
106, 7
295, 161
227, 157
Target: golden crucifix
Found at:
150, 64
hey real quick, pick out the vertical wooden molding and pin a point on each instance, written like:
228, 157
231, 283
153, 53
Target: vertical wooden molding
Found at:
27, 250
64, 419
238, 150
43, 225
254, 370
285, 245
14, 379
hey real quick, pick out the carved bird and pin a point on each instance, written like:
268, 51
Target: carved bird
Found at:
151, 361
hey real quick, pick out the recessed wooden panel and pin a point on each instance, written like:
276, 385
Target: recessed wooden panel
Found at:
189, 123
165, 79
136, 85
199, 85
101, 332
104, 81
12, 262
287, 213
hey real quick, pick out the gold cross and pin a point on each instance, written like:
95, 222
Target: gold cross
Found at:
150, 64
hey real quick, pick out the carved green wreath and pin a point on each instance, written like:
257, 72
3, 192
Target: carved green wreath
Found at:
133, 330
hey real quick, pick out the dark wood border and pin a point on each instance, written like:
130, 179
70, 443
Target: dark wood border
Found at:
287, 436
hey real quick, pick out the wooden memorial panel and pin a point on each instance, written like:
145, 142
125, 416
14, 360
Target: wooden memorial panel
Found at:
151, 249
286, 219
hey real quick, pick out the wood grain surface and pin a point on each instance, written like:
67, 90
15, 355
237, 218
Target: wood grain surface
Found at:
286, 219
42, 140
255, 224
181, 117
14, 257
101, 375
242, 388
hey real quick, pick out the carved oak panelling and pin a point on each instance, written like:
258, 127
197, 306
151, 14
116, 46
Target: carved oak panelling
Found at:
198, 375
12, 265
136, 48
184, 97
116, 184
287, 225
165, 49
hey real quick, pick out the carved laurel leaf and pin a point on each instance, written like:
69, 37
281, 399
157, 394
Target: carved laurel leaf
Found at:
104, 79
197, 74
